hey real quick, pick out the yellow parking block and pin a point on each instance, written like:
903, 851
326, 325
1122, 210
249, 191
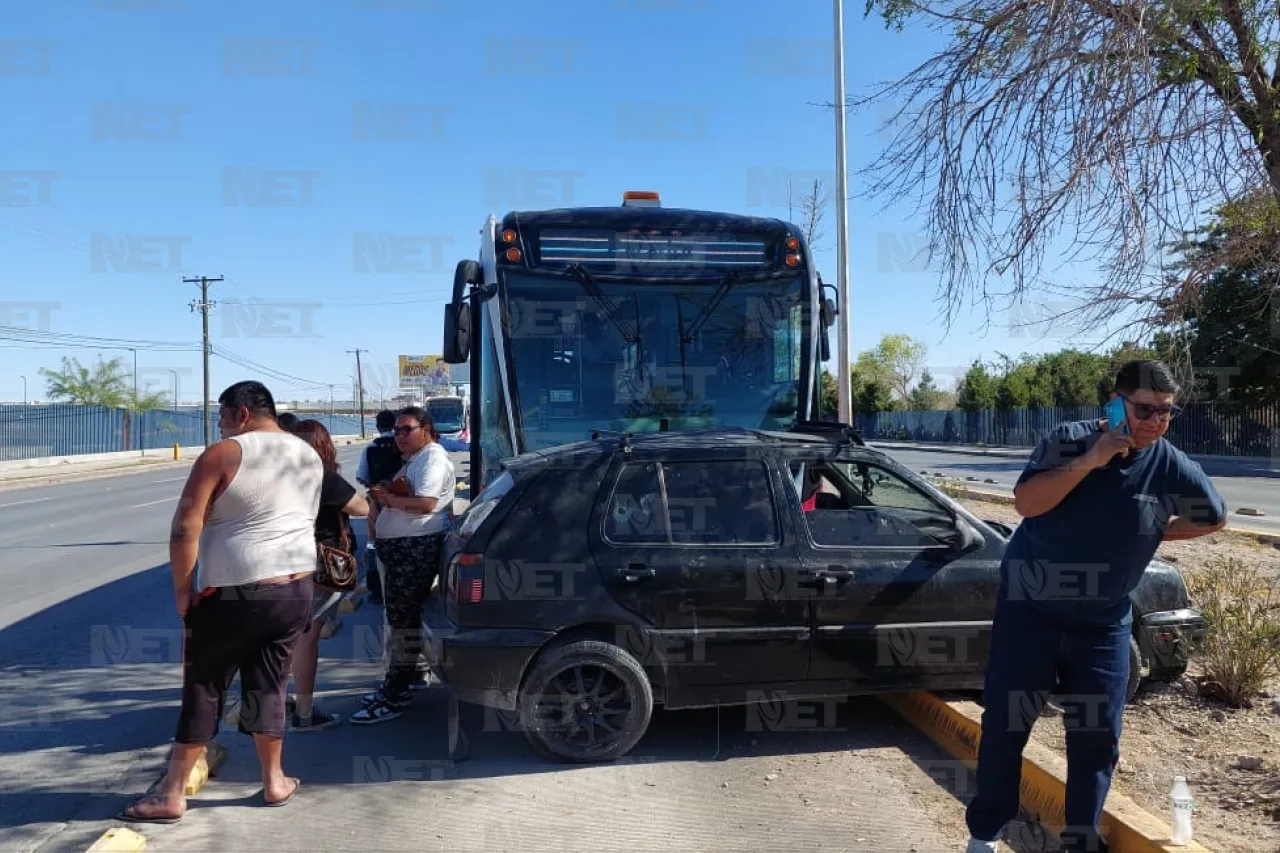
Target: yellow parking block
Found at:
119, 840
957, 727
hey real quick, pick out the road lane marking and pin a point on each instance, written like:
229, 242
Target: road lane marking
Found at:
170, 480
153, 503
20, 503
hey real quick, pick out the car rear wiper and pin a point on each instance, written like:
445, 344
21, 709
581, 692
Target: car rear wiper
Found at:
606, 304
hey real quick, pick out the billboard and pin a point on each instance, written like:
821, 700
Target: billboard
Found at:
428, 372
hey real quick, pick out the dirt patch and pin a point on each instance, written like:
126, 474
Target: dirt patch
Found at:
1231, 757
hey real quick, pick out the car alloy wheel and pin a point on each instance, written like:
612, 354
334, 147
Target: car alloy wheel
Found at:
586, 700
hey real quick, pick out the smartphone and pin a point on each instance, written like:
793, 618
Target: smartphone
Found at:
1115, 414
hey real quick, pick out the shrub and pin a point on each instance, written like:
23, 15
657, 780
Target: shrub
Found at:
1242, 646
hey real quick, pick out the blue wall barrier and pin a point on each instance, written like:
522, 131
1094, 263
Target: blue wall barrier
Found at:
34, 432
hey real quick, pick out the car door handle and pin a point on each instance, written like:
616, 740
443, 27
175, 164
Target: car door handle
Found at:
833, 575
636, 572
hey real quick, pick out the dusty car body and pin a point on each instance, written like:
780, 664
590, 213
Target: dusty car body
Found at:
591, 582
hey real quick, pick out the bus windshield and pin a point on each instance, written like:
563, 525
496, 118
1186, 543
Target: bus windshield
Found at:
626, 356
447, 414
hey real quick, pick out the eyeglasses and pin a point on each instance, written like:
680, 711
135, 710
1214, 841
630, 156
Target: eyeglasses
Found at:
405, 430
1144, 411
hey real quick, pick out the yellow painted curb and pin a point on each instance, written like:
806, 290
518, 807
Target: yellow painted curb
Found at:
215, 755
119, 840
957, 727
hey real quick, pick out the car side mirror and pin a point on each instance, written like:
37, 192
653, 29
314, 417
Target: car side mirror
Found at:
967, 537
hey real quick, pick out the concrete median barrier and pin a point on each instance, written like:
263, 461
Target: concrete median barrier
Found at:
957, 728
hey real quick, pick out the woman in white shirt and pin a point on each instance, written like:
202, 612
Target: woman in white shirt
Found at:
410, 521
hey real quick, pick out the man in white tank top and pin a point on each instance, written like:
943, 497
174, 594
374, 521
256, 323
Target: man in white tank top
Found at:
248, 512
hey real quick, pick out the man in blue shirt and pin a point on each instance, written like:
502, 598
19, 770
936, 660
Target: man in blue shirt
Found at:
1097, 499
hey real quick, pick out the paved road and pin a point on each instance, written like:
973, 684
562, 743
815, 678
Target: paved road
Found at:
89, 673
1258, 492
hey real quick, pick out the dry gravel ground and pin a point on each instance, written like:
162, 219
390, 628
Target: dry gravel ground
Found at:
1231, 757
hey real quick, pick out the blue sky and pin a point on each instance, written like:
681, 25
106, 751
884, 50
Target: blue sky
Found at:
150, 140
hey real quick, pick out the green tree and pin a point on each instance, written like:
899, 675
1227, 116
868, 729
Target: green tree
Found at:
107, 383
894, 363
977, 390
1105, 124
874, 397
927, 397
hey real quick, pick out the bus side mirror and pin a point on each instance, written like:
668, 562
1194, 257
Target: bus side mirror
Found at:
457, 333
457, 314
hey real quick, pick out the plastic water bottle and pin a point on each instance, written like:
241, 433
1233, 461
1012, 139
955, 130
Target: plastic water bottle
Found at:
1183, 807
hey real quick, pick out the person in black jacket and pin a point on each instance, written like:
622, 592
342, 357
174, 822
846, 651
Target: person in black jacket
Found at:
379, 462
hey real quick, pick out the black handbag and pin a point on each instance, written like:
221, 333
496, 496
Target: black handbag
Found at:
336, 566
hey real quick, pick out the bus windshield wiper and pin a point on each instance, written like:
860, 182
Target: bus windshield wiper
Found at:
606, 304
703, 316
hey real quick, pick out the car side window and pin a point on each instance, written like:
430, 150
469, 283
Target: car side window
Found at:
635, 513
720, 502
848, 505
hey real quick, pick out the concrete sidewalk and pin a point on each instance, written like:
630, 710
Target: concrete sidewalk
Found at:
1214, 466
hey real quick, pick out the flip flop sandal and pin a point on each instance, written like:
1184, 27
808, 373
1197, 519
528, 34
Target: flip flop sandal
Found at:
278, 803
137, 818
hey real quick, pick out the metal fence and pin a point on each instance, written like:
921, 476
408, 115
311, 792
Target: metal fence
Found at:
1209, 429
34, 432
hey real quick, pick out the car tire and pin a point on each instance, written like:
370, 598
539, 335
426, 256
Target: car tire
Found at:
600, 663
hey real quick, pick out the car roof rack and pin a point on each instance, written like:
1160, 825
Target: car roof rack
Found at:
624, 438
849, 433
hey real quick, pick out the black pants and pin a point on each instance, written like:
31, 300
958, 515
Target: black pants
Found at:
250, 629
411, 564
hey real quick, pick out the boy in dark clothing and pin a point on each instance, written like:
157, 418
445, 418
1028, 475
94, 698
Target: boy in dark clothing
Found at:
1097, 499
379, 462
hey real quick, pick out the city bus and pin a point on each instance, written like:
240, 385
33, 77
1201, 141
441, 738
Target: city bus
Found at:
449, 413
633, 319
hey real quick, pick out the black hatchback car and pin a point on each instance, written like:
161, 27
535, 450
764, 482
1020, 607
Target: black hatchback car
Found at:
590, 582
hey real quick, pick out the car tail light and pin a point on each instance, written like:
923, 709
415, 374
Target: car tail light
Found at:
467, 578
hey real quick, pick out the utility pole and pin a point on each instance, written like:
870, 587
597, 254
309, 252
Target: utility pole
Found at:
842, 227
330, 405
203, 307
360, 381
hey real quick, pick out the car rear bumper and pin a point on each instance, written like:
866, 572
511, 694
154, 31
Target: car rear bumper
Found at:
1169, 637
483, 666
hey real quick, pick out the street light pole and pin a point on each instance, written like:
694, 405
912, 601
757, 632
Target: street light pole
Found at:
842, 227
175, 388
24, 390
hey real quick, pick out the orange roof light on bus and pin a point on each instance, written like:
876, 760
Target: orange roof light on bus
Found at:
793, 244
793, 260
641, 198
513, 254
508, 236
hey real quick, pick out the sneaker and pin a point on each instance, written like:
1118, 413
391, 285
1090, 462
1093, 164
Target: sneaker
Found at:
317, 721
386, 695
375, 712
976, 846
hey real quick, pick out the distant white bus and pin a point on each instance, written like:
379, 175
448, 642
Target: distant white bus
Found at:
450, 415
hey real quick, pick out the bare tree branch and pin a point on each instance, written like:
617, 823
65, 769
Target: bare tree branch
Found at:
1050, 132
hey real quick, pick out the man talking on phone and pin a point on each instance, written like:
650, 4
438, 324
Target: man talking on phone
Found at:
1097, 499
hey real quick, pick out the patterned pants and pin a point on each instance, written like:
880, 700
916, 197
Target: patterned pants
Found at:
411, 564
